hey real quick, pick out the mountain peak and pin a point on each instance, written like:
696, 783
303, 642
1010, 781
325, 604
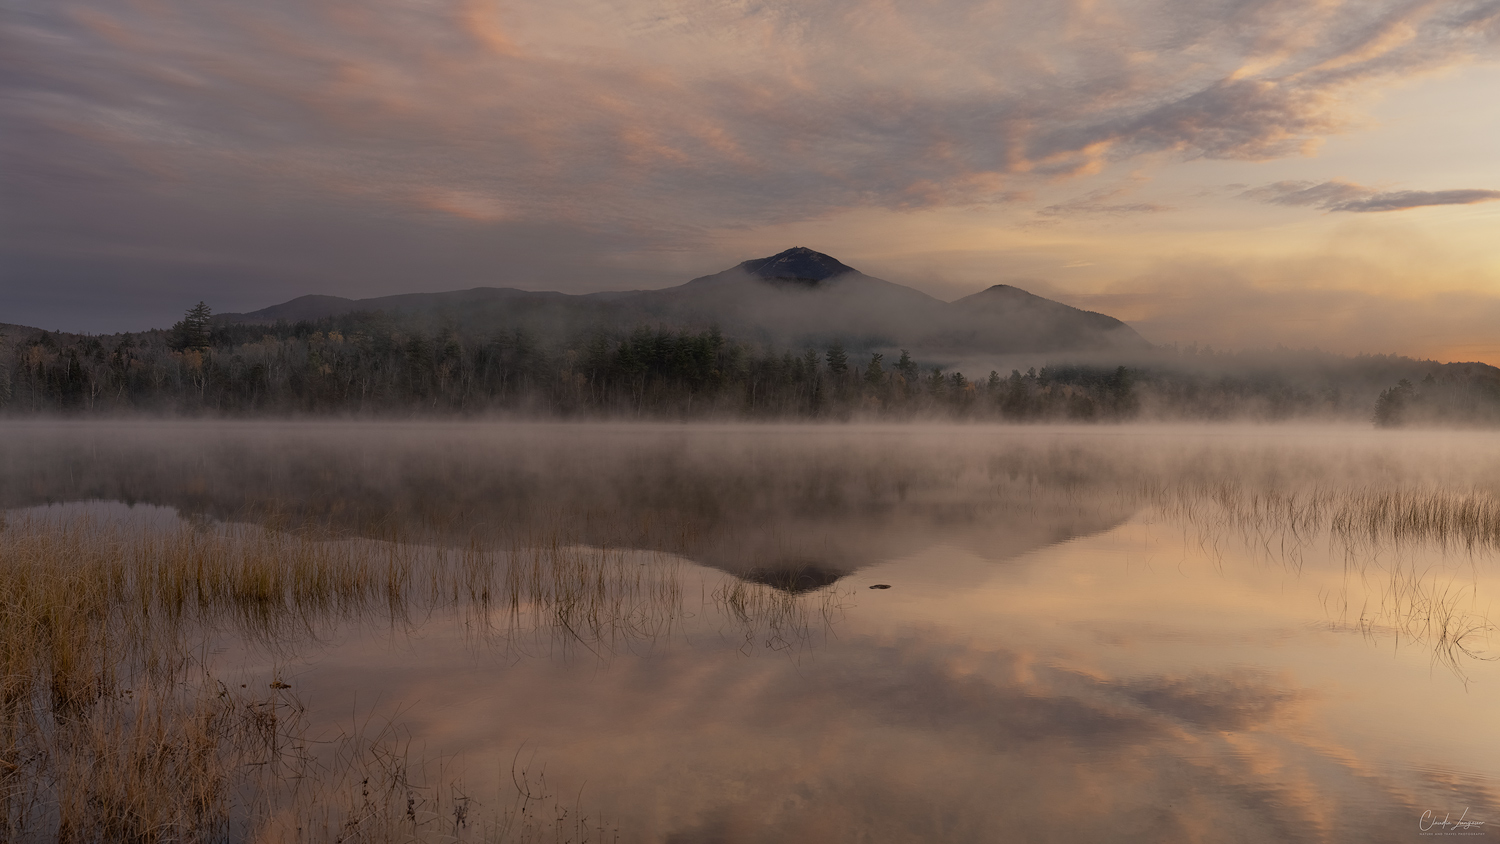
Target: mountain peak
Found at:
797, 264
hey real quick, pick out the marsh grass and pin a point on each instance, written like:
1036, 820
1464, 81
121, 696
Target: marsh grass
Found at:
1411, 555
1432, 608
114, 728
598, 598
369, 789
1358, 517
778, 619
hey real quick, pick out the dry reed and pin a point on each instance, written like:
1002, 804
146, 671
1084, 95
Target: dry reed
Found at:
113, 729
777, 619
1451, 519
1380, 534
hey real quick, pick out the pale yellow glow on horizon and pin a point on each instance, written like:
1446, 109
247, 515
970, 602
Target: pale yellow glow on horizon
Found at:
1111, 239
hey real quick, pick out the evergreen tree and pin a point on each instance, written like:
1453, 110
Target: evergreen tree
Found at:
874, 374
838, 360
596, 357
191, 333
1390, 406
908, 368
938, 383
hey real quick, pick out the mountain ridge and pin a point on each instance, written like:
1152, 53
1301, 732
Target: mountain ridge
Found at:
797, 264
798, 297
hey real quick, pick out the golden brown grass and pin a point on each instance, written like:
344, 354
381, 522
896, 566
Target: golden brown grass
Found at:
113, 729
598, 598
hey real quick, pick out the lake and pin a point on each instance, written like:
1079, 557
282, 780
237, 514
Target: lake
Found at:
740, 633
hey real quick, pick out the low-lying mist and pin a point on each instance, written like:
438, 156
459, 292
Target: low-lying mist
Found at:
743, 498
384, 366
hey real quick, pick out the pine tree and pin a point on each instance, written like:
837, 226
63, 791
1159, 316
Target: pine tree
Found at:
810, 363
938, 383
908, 368
1391, 405
838, 361
192, 332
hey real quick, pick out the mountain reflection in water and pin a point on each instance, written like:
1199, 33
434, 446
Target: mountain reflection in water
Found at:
1094, 635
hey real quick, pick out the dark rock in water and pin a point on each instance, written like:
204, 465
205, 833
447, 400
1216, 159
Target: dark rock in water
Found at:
881, 586
794, 580
797, 264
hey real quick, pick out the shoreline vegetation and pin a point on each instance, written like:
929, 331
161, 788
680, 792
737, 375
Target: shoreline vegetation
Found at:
381, 364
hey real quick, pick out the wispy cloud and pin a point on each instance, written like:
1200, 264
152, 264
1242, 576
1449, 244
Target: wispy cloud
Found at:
1105, 202
592, 110
278, 133
1345, 196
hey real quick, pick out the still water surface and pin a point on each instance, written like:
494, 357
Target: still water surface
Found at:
1089, 634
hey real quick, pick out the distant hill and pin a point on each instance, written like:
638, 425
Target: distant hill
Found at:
10, 329
22, 334
649, 354
795, 299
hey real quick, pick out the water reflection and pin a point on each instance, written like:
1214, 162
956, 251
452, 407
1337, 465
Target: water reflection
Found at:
804, 505
1089, 635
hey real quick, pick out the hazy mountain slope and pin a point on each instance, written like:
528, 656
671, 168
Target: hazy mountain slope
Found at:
480, 309
21, 334
454, 302
861, 311
298, 309
1005, 318
797, 298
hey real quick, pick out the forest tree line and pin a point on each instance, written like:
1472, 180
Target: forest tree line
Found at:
376, 363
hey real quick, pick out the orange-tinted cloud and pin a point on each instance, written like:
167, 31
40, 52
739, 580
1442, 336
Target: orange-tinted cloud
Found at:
481, 18
650, 125
885, 113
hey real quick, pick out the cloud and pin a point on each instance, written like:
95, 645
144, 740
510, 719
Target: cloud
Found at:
1212, 702
1345, 196
726, 113
1399, 200
439, 129
1097, 203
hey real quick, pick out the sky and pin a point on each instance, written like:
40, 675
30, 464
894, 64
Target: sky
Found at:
1234, 173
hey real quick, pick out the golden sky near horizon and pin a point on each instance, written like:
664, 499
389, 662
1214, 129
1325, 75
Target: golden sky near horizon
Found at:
1239, 173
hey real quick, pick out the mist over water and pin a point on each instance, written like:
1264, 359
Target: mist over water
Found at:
1131, 633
